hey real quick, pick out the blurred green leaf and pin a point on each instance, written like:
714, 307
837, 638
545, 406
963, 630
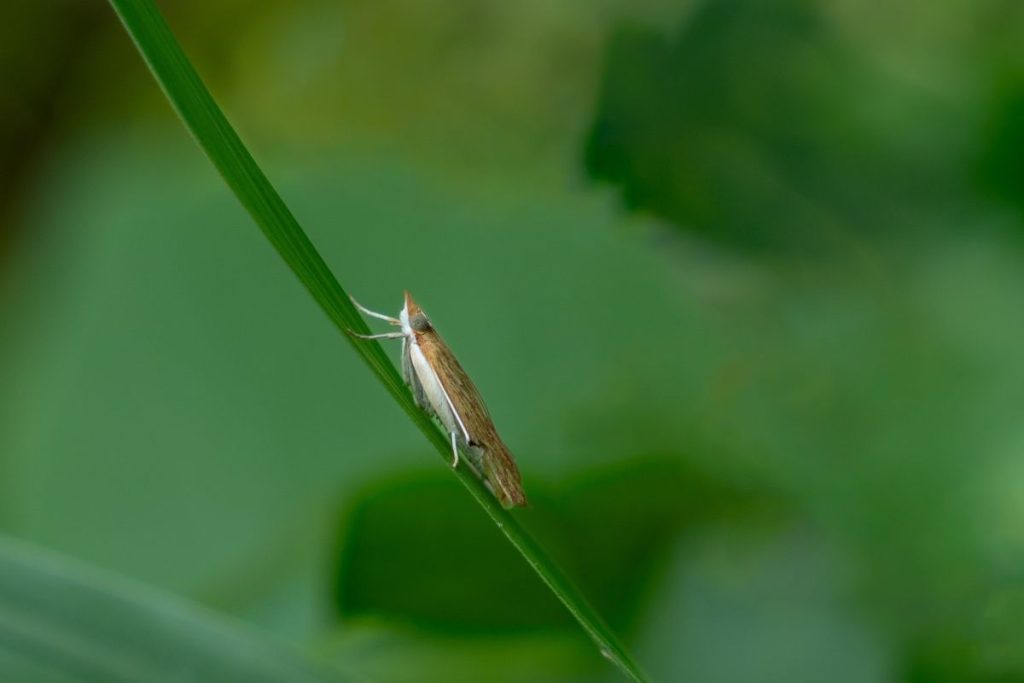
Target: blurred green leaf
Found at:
418, 656
63, 622
613, 528
757, 126
411, 551
1002, 159
214, 133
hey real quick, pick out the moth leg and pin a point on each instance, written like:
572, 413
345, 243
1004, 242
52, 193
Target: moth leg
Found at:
455, 451
374, 314
386, 335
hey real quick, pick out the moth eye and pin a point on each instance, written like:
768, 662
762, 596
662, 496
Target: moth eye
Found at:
419, 323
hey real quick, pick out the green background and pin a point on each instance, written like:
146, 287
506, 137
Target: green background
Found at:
741, 281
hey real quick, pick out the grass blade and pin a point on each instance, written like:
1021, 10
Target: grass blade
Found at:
62, 621
218, 139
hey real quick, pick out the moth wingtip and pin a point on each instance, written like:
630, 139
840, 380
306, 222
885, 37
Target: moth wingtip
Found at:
512, 494
502, 473
518, 500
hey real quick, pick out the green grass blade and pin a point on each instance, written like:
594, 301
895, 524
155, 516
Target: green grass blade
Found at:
218, 139
62, 621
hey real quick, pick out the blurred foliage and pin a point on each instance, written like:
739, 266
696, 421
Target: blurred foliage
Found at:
613, 531
806, 307
1002, 159
39, 45
762, 125
64, 623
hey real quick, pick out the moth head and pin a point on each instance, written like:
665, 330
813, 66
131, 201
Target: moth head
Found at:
414, 315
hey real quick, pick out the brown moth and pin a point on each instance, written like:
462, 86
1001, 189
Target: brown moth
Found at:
443, 389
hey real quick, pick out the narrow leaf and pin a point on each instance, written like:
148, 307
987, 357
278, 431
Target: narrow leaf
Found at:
62, 621
218, 139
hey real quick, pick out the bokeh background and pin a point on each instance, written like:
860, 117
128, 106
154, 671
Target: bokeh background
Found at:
742, 282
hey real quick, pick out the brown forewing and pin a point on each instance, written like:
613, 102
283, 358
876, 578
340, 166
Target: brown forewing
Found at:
499, 467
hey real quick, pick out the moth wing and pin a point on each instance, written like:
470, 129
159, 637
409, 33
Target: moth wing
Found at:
499, 468
462, 394
502, 475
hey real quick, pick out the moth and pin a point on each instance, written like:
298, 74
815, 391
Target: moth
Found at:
443, 389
